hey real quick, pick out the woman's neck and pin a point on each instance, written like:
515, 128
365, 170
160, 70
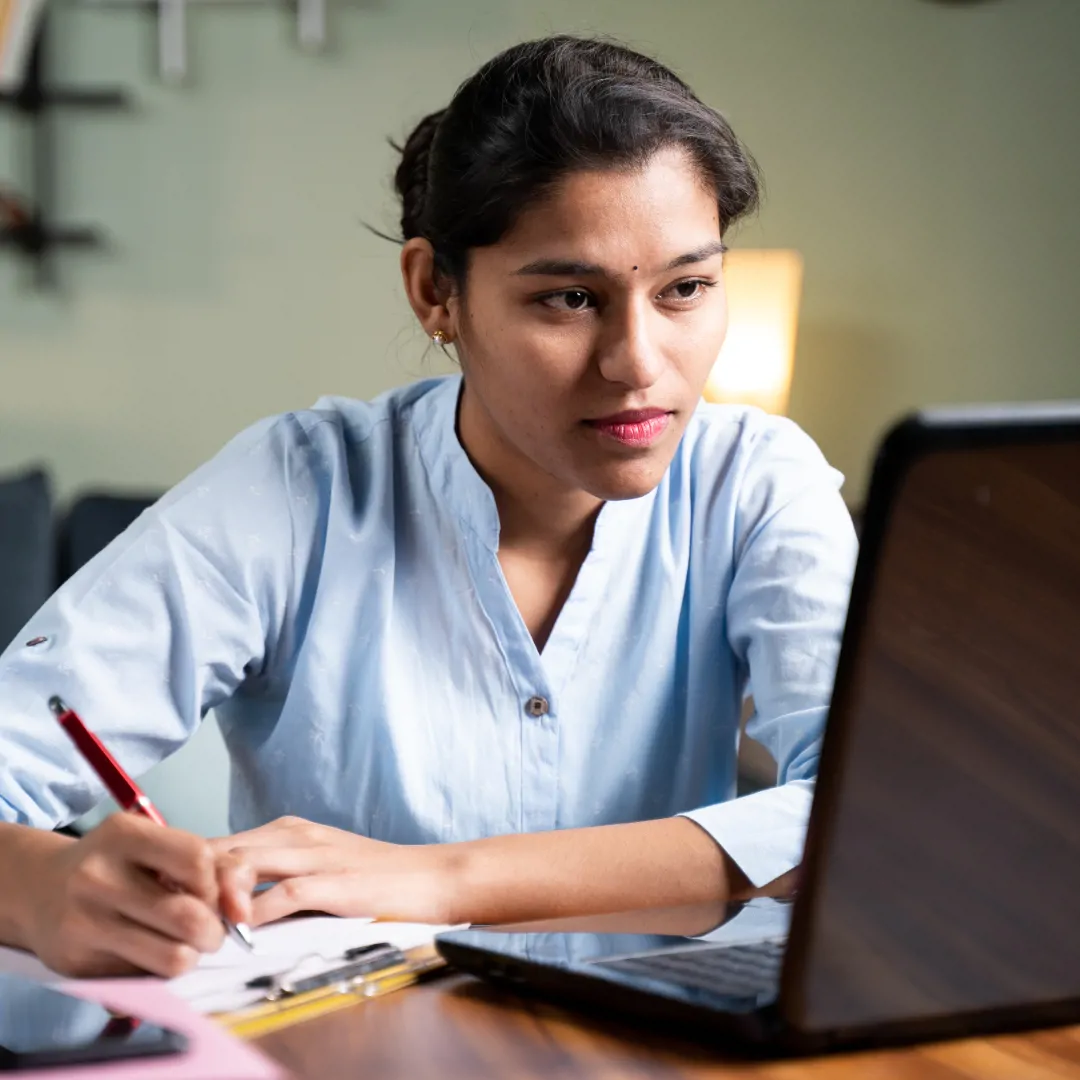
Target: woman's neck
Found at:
556, 524
537, 512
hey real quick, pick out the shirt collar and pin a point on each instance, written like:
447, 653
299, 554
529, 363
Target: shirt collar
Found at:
454, 480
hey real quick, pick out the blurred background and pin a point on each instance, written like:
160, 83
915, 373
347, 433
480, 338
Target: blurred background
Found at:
922, 156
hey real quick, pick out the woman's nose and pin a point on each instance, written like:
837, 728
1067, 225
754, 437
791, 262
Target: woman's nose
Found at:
631, 353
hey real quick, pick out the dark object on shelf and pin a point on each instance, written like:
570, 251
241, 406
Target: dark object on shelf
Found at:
26, 226
14, 213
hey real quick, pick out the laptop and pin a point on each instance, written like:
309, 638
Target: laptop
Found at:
940, 886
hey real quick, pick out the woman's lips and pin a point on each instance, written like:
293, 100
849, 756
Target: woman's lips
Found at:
637, 427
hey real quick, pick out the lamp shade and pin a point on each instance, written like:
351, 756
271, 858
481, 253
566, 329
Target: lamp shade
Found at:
756, 362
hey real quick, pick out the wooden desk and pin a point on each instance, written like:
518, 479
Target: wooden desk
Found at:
460, 1028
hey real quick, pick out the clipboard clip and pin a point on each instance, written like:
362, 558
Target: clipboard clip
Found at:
360, 962
298, 995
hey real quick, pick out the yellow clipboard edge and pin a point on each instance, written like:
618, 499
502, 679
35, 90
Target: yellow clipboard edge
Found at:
267, 1016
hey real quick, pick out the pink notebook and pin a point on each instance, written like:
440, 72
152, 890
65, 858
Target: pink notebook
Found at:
213, 1054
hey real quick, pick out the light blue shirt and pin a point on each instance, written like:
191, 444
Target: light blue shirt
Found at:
329, 585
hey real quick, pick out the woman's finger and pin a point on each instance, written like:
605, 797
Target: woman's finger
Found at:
145, 949
144, 901
275, 863
334, 894
180, 857
274, 833
236, 883
260, 837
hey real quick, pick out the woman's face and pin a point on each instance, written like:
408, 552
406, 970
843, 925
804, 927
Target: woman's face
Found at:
587, 333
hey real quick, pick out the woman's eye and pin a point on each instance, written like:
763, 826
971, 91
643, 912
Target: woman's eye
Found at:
692, 289
570, 300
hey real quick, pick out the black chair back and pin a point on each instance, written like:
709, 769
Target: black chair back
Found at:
26, 549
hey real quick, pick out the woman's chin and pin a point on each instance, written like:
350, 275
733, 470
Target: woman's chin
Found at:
616, 482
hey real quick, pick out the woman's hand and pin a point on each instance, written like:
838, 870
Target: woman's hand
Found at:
102, 905
319, 868
515, 878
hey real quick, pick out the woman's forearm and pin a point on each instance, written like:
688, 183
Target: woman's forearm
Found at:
607, 868
671, 863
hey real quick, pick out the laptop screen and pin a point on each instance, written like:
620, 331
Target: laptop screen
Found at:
945, 845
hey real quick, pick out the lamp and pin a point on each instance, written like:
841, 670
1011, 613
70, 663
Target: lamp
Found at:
756, 361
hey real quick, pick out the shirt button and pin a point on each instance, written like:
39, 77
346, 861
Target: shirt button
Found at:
536, 706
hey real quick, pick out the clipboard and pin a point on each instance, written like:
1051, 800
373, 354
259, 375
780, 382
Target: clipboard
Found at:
360, 975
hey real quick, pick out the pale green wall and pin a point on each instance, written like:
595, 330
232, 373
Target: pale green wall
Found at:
925, 158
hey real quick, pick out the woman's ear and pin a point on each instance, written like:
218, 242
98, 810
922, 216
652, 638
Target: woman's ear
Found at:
428, 296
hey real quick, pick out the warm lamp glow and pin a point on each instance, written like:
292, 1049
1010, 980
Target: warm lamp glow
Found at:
755, 364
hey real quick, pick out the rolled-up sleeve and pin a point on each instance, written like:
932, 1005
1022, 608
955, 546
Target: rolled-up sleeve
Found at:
795, 552
164, 624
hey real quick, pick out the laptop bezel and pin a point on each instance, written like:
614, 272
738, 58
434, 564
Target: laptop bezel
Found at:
917, 436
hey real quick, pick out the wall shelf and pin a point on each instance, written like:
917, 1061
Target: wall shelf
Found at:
172, 29
35, 234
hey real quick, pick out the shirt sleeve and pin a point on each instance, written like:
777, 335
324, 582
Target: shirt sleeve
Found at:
795, 552
173, 617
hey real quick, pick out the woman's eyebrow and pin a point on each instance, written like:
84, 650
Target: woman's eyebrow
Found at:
576, 268
714, 247
561, 268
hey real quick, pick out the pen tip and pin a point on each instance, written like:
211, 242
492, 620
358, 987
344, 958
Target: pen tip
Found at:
57, 705
243, 932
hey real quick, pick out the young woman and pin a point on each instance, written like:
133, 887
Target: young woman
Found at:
478, 647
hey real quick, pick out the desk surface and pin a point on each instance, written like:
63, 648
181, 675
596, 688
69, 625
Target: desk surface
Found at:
460, 1027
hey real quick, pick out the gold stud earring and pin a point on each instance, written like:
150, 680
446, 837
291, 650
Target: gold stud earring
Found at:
440, 338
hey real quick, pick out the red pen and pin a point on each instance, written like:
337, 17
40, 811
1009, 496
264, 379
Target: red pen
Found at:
120, 786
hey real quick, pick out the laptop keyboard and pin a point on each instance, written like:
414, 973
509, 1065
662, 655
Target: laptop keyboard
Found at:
729, 970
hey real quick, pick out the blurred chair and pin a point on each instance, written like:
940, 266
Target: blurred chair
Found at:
26, 549
92, 522
756, 766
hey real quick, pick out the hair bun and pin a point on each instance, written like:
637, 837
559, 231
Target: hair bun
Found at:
411, 175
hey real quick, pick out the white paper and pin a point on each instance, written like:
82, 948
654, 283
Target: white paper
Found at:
301, 946
295, 946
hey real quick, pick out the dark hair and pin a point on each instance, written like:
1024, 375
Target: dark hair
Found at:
543, 109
